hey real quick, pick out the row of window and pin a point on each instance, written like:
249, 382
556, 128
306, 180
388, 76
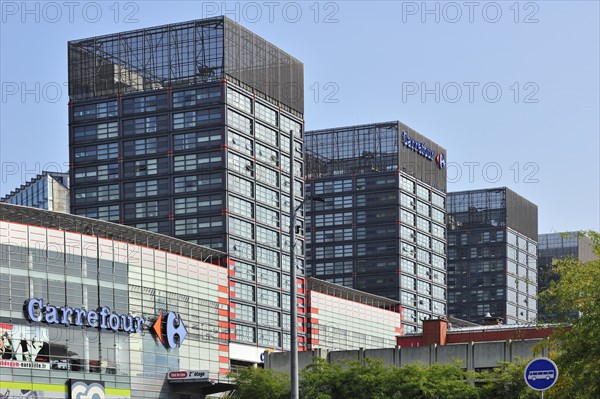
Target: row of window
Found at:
406, 184
149, 103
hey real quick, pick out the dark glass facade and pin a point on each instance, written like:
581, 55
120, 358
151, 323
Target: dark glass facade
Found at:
381, 226
492, 256
185, 130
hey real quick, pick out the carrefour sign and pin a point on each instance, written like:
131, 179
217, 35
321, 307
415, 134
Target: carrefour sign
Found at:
419, 147
102, 318
169, 328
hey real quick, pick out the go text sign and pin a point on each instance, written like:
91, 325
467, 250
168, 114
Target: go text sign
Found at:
541, 374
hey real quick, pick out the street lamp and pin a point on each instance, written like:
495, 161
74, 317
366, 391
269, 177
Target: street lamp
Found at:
293, 279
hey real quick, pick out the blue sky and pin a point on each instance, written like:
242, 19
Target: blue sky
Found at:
510, 89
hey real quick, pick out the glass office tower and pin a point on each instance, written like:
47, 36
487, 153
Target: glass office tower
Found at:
492, 255
380, 226
553, 246
185, 130
48, 190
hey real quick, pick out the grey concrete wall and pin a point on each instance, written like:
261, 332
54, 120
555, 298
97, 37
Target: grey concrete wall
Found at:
388, 356
418, 354
522, 349
472, 355
340, 356
453, 353
487, 354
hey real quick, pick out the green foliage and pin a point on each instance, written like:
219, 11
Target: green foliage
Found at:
371, 380
576, 295
507, 382
256, 383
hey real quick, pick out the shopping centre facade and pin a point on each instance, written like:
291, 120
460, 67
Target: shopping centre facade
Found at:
83, 312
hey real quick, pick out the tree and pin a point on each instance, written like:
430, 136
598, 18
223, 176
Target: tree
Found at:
258, 383
507, 382
576, 350
372, 380
448, 381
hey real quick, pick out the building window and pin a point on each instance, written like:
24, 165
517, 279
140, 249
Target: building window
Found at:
422, 192
157, 102
241, 248
288, 125
241, 186
196, 225
268, 297
438, 200
437, 215
189, 205
144, 146
267, 135
97, 194
239, 100
267, 216
241, 228
95, 111
267, 155
243, 270
265, 114
240, 143
143, 188
189, 119
269, 338
108, 213
240, 164
245, 333
407, 184
97, 173
191, 98
266, 175
267, 196
190, 141
269, 318
142, 210
145, 167
267, 236
267, 257
438, 231
148, 125
243, 291
99, 131
239, 122
188, 184
97, 152
197, 161
244, 312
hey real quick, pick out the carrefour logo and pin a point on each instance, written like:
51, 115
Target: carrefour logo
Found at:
440, 160
170, 330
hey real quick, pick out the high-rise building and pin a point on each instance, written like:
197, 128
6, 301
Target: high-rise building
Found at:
492, 255
184, 130
48, 190
553, 246
379, 224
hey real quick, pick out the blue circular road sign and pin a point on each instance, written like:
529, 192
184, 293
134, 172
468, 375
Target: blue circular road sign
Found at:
541, 374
